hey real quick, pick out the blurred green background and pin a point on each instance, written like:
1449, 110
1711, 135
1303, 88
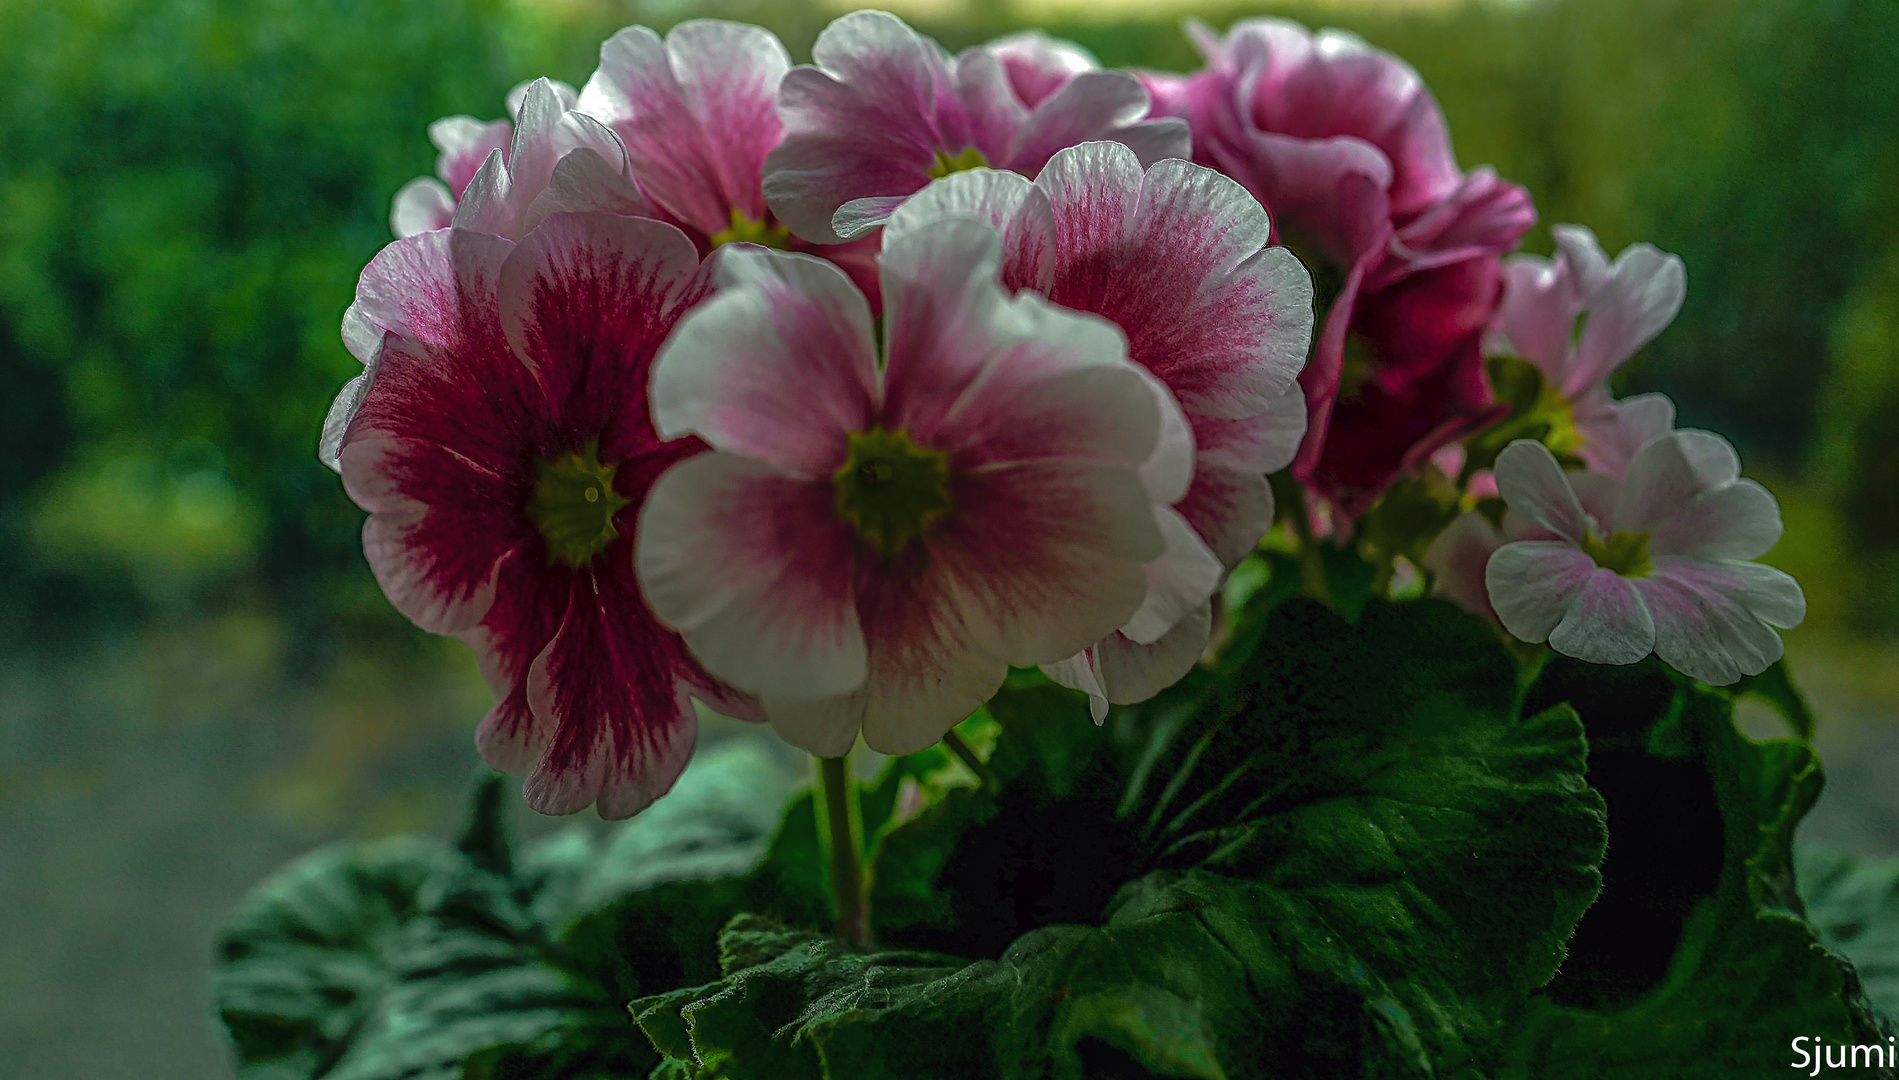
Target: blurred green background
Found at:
198, 678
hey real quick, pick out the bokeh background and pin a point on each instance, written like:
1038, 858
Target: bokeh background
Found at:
198, 677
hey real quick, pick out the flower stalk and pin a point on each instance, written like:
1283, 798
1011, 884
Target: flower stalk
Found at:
967, 755
843, 830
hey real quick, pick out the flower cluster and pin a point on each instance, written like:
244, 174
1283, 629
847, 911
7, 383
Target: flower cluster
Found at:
824, 394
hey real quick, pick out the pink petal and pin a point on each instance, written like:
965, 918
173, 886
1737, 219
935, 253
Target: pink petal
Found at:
1541, 302
584, 182
697, 112
1638, 297
1483, 217
586, 300
861, 123
1133, 673
755, 570
465, 143
1668, 474
1038, 65
502, 194
1457, 559
1091, 105
420, 206
1607, 624
988, 114
1531, 482
1739, 520
1533, 584
1178, 582
778, 366
1612, 431
1703, 626
1005, 200
1230, 504
435, 289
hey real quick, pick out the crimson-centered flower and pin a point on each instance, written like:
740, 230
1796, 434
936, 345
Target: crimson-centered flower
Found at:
884, 110
697, 112
1347, 150
1175, 255
1621, 306
870, 545
1658, 562
502, 446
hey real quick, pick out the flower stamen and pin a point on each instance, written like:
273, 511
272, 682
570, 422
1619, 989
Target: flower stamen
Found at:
745, 230
890, 489
1625, 553
970, 158
574, 504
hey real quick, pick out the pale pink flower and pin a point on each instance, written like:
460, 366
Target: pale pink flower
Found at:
885, 109
501, 443
1176, 255
1657, 562
1621, 305
870, 546
559, 160
1037, 65
697, 112
466, 144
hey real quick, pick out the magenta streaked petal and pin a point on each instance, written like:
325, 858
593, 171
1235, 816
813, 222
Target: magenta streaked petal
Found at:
1457, 559
435, 289
1483, 217
1531, 481
1667, 475
465, 143
1533, 584
1607, 624
609, 685
779, 365
928, 667
1230, 504
586, 300
421, 205
697, 112
755, 570
1006, 200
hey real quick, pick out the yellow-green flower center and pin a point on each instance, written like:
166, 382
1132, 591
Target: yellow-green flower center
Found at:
1625, 553
890, 488
574, 504
970, 158
747, 231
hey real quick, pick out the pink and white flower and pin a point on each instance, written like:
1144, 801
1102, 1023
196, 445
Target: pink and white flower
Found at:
884, 110
1624, 304
1175, 255
559, 160
501, 443
870, 546
1348, 151
697, 112
541, 132
1658, 562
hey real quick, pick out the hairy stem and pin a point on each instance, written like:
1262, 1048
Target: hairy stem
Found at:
968, 756
847, 870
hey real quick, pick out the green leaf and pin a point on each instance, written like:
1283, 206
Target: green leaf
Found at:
1853, 906
1691, 965
1775, 687
1343, 853
408, 958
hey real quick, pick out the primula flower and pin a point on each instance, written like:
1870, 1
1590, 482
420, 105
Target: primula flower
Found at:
558, 160
1655, 563
1176, 256
1347, 150
697, 112
870, 546
543, 130
885, 110
501, 444
1623, 306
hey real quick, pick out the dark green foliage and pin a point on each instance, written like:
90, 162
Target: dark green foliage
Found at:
1341, 853
1853, 904
1710, 816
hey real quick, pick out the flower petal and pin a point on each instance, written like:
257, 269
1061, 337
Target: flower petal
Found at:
1178, 582
1739, 520
755, 570
1003, 199
1612, 431
697, 112
1703, 627
1533, 584
826, 727
584, 182
1532, 483
779, 365
421, 205
1457, 560
1607, 624
465, 143
1092, 105
1230, 504
927, 669
1666, 475
1537, 318
1038, 65
1637, 297
1132, 672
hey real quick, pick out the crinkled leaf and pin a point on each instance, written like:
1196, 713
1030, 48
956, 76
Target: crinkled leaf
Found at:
1737, 974
1342, 854
1775, 687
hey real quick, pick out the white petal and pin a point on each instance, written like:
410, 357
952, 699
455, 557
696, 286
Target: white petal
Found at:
826, 727
421, 205
1457, 559
1131, 672
1701, 627
1607, 623
1082, 672
1533, 484
1734, 521
1178, 582
1533, 584
1667, 475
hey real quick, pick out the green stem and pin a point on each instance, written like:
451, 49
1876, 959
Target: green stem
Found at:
968, 755
1292, 505
847, 871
